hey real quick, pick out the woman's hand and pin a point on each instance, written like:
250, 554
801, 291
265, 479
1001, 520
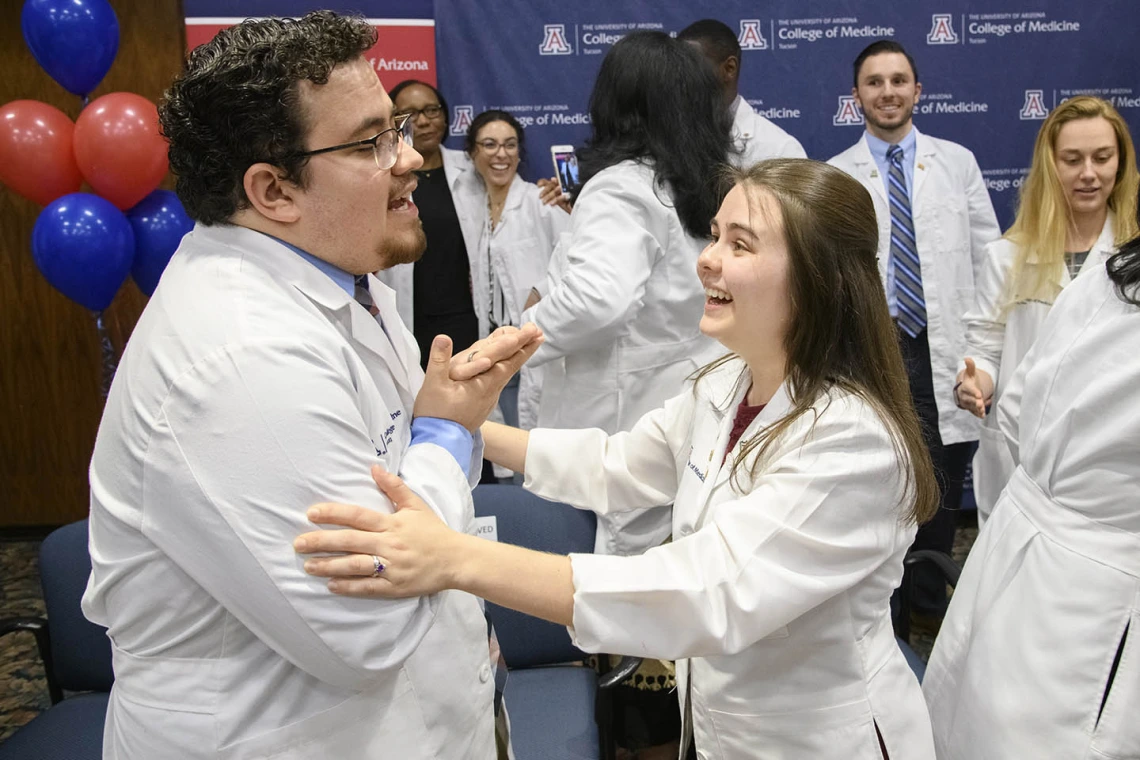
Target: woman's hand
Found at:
417, 550
974, 389
551, 194
469, 401
485, 353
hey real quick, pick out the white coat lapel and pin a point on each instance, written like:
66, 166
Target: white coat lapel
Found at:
867, 172
721, 467
773, 411
383, 335
924, 152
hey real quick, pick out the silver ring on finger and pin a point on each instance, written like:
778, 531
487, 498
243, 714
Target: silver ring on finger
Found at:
378, 565
471, 356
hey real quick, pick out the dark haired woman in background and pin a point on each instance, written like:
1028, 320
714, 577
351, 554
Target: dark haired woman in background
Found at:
514, 233
1039, 655
434, 294
621, 304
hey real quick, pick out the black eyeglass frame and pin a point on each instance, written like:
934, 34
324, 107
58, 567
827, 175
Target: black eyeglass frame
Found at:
403, 128
414, 113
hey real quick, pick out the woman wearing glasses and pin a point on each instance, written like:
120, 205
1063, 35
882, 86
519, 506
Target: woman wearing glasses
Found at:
434, 294
514, 233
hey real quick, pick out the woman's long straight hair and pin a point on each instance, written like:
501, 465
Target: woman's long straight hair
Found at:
657, 100
840, 334
1043, 215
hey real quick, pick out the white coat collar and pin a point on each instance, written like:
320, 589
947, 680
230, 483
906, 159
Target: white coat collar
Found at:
283, 265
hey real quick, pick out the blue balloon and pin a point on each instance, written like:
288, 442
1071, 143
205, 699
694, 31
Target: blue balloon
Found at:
159, 222
73, 40
83, 245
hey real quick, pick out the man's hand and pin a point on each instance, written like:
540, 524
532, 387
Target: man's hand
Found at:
974, 389
551, 194
469, 401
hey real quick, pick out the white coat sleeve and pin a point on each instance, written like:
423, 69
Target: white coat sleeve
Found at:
984, 228
985, 322
249, 438
822, 518
608, 262
613, 473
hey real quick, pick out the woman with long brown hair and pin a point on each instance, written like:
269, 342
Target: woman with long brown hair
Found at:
797, 474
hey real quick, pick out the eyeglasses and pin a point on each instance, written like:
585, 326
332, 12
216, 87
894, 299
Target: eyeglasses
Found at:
385, 145
433, 111
492, 146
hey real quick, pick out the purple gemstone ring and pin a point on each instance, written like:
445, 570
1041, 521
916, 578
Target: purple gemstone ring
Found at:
378, 566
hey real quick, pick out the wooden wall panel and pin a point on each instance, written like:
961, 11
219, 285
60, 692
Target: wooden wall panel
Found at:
50, 362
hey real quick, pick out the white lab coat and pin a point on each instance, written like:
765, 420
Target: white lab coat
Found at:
954, 220
623, 319
253, 387
775, 598
756, 139
1022, 662
457, 167
996, 339
518, 251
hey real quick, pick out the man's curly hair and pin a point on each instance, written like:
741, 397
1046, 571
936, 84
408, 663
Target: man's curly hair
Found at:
237, 103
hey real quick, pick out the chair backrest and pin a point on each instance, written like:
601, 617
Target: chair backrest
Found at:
80, 650
526, 520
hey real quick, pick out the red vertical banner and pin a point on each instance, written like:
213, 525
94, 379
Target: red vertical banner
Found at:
405, 48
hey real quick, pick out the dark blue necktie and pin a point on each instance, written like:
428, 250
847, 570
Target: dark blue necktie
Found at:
904, 251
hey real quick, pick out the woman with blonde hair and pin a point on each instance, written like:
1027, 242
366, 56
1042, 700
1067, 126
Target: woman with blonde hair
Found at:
797, 474
1075, 209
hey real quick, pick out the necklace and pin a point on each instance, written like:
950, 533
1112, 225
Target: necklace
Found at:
495, 209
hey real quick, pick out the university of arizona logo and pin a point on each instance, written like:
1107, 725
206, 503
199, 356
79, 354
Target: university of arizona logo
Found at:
942, 30
1034, 107
751, 36
554, 40
462, 119
848, 114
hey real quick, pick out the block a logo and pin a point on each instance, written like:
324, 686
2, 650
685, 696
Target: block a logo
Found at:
848, 114
554, 40
751, 35
461, 120
1034, 107
942, 30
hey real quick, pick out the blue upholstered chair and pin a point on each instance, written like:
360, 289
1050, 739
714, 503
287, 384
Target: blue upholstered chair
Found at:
552, 702
76, 655
900, 611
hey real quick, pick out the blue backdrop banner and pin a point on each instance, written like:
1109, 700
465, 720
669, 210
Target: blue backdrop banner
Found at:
990, 72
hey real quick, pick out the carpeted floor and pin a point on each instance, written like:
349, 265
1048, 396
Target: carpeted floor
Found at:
23, 691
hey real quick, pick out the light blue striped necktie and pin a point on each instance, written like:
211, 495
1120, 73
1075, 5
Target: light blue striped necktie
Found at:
904, 251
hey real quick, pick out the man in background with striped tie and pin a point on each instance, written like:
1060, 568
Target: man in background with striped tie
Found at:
935, 218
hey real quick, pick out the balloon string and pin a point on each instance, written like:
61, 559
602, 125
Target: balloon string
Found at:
110, 361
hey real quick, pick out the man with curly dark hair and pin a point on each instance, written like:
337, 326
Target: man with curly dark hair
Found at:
269, 371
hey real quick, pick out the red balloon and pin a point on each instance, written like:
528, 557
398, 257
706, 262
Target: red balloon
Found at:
36, 159
119, 148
